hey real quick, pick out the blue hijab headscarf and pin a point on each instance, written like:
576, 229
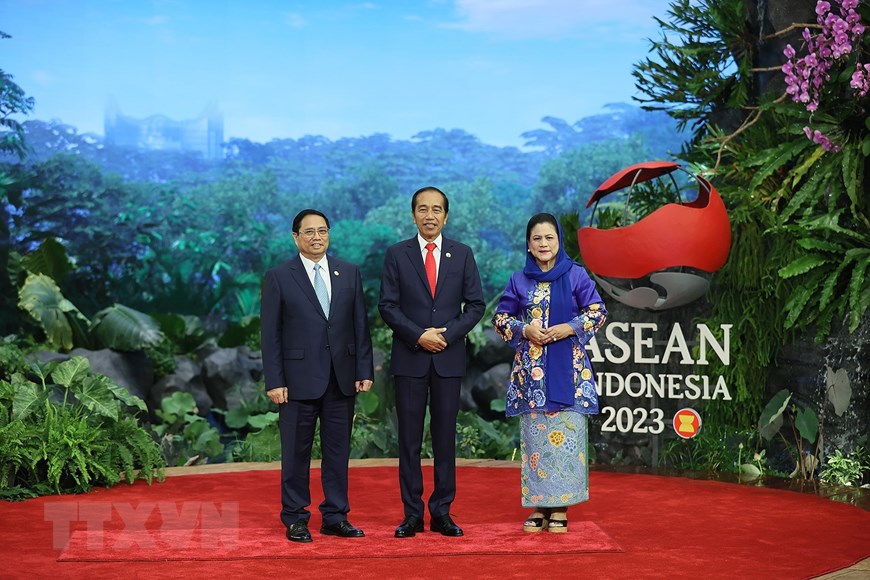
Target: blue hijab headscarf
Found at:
559, 366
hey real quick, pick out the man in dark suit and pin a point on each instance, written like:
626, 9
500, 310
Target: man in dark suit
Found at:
431, 298
317, 354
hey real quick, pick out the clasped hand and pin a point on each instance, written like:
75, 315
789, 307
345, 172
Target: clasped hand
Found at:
542, 336
432, 340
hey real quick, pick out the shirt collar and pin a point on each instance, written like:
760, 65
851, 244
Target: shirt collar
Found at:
422, 241
309, 265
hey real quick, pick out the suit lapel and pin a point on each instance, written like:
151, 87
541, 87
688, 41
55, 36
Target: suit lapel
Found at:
338, 278
446, 264
415, 256
300, 276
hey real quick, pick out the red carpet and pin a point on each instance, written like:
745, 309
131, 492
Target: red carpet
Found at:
634, 526
235, 544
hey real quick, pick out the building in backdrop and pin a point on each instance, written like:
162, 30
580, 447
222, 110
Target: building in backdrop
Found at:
205, 134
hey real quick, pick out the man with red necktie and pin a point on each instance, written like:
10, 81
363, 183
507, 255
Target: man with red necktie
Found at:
431, 298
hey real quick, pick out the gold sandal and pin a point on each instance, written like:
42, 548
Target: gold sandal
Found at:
535, 524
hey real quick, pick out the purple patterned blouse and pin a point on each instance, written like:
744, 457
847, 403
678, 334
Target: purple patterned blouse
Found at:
528, 302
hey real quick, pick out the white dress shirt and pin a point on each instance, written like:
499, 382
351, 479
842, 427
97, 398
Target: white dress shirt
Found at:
324, 273
436, 252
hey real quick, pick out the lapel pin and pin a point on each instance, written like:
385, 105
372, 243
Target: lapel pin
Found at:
335, 272
447, 254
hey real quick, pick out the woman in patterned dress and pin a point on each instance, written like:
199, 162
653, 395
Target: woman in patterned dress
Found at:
548, 313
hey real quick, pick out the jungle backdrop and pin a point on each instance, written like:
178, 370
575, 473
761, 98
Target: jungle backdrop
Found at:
131, 249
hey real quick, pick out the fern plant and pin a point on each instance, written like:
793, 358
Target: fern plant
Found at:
697, 68
64, 428
832, 273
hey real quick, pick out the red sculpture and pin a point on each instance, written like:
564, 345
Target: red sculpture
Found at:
665, 259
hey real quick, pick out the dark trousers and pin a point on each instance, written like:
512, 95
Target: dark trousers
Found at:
297, 421
411, 397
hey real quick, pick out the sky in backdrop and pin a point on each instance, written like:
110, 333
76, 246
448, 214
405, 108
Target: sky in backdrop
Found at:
285, 69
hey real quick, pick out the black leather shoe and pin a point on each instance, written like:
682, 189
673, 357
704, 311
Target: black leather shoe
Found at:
445, 526
298, 532
342, 529
409, 527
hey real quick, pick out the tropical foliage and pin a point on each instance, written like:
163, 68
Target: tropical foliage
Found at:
798, 206
64, 326
186, 438
66, 429
113, 247
108, 247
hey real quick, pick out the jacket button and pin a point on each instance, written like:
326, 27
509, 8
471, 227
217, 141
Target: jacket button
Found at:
327, 347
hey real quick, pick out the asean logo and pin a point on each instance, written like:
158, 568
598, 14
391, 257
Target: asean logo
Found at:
667, 258
687, 423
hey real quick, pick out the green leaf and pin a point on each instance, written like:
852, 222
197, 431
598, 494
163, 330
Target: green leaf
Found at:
856, 287
807, 423
43, 370
370, 402
49, 258
26, 397
750, 471
777, 158
161, 430
850, 173
799, 172
95, 395
42, 299
486, 427
208, 441
772, 414
812, 189
830, 285
263, 420
236, 418
14, 269
856, 312
7, 391
184, 331
839, 389
125, 396
817, 244
828, 223
171, 325
120, 327
71, 371
802, 265
178, 403
797, 303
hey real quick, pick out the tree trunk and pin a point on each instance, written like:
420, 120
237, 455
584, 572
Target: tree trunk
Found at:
766, 18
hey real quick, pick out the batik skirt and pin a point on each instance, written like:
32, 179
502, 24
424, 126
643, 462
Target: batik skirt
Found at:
555, 470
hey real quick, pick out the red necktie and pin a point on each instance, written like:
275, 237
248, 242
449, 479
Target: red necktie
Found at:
430, 266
